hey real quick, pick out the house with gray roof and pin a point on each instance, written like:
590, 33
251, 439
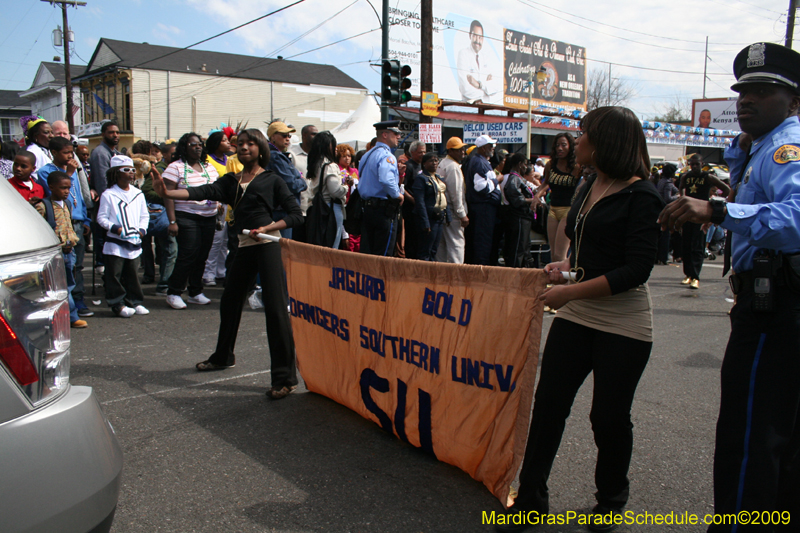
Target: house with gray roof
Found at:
160, 92
12, 108
47, 96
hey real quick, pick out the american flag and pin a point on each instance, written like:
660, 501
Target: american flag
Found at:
75, 109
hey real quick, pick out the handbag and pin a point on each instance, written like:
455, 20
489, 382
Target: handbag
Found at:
321, 226
159, 221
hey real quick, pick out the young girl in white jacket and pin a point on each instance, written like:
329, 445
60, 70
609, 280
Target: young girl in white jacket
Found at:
123, 214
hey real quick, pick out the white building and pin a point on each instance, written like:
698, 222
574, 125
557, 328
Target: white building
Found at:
160, 92
48, 93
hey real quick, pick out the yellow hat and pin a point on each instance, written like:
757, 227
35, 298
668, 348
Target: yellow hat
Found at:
470, 149
454, 143
278, 127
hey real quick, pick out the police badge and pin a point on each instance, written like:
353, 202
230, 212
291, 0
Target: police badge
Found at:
756, 55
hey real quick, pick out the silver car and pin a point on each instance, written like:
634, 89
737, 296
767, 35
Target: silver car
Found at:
61, 463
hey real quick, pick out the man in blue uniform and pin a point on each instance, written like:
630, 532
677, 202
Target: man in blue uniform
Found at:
757, 456
379, 189
483, 199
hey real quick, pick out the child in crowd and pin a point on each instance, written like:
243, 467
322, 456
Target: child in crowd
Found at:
64, 160
57, 210
123, 214
24, 166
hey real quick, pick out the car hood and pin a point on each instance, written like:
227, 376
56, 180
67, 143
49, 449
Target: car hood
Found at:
24, 229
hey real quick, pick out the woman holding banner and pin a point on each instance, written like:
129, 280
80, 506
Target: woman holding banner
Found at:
253, 193
605, 324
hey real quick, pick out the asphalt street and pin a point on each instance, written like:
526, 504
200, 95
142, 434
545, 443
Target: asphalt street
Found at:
208, 452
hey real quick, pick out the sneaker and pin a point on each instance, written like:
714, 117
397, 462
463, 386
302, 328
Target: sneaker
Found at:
687, 280
99, 270
175, 301
83, 310
124, 311
79, 324
603, 519
200, 299
694, 284
161, 291
209, 283
141, 310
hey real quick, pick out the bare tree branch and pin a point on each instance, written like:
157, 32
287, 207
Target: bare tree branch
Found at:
598, 94
677, 109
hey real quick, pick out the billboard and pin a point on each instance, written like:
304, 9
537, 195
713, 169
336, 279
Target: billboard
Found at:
480, 62
715, 114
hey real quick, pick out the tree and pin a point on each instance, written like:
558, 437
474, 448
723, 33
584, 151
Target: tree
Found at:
677, 109
598, 94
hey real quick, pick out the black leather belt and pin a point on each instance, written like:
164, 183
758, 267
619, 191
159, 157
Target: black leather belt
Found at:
380, 202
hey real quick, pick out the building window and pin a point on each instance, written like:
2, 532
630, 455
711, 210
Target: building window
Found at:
5, 129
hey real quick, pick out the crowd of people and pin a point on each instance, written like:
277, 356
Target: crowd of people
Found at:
185, 206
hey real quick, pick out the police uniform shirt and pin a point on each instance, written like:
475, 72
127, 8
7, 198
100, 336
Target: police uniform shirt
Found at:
696, 185
766, 211
378, 174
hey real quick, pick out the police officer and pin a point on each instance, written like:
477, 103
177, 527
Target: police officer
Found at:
379, 189
757, 455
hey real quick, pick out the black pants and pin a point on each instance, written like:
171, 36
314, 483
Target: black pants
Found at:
263, 260
517, 242
573, 351
122, 282
148, 257
482, 220
378, 230
195, 237
414, 235
663, 246
757, 454
694, 246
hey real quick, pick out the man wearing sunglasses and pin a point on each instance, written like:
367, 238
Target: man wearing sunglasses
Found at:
280, 162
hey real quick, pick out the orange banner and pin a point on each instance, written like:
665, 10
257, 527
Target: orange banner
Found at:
443, 356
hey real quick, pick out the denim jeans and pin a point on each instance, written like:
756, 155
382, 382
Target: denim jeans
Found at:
69, 265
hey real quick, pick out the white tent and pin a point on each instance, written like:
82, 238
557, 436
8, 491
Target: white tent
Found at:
357, 129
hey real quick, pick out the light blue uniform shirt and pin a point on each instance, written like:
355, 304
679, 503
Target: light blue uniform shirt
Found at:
378, 175
766, 211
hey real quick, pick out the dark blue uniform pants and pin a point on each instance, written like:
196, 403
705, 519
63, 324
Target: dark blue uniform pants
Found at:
378, 230
757, 455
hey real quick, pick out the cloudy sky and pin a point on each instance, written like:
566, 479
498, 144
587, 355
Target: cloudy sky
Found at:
655, 46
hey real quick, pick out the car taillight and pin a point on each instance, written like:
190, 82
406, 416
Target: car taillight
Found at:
34, 323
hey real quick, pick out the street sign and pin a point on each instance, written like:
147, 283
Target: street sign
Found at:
430, 133
430, 104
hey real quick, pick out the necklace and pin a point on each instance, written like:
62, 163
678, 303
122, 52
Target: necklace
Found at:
186, 174
236, 197
581, 220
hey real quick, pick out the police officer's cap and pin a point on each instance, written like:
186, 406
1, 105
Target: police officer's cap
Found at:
391, 125
767, 63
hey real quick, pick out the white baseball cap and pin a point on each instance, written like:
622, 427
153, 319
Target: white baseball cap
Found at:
120, 161
483, 140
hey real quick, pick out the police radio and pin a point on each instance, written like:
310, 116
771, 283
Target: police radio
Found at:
765, 268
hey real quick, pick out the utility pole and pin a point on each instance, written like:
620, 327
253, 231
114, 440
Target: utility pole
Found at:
705, 68
384, 48
67, 75
530, 99
426, 57
790, 22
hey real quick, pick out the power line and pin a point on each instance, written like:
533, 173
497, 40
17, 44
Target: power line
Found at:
31, 48
220, 34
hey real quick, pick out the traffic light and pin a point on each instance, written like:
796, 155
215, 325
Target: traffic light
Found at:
405, 84
390, 82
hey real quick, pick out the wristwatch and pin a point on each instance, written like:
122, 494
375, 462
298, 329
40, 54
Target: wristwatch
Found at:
171, 222
718, 210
